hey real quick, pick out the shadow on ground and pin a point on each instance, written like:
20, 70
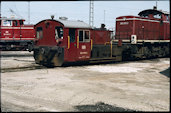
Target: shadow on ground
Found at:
101, 107
166, 72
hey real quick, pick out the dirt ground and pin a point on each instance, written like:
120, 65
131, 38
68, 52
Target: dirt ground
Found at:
138, 85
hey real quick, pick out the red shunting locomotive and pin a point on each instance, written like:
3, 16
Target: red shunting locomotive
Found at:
15, 35
62, 41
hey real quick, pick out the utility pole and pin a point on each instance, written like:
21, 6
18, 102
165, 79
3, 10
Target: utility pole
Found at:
0, 9
156, 4
104, 16
28, 12
91, 13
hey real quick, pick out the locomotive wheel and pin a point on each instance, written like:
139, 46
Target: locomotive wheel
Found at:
37, 56
8, 47
167, 51
30, 47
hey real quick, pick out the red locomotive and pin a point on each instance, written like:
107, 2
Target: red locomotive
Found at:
15, 35
146, 35
62, 41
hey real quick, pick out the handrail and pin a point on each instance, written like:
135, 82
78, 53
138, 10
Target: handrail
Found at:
77, 41
91, 44
68, 42
110, 47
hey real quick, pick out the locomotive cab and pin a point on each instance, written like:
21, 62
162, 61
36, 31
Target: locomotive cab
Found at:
11, 22
159, 20
155, 14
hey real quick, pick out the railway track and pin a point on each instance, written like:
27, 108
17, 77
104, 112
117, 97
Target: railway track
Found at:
35, 67
23, 61
18, 69
15, 54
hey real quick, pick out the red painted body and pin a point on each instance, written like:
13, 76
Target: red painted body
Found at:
14, 32
145, 28
101, 36
74, 50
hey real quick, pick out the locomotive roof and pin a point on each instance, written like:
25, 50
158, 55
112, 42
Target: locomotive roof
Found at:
70, 23
152, 11
5, 18
74, 24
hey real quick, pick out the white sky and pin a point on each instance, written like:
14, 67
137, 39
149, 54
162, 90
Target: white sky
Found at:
79, 10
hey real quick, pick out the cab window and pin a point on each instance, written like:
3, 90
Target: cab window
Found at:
167, 18
87, 36
21, 22
15, 23
84, 35
81, 36
58, 32
157, 16
72, 35
7, 23
39, 33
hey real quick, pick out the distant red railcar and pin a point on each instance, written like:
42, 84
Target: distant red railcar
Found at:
15, 35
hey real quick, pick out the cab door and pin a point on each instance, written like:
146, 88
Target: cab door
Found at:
83, 45
16, 30
72, 45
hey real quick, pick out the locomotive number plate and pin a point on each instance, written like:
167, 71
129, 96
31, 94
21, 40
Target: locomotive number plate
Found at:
124, 23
